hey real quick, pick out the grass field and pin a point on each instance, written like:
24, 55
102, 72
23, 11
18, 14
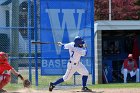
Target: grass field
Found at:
44, 82
117, 85
99, 88
69, 85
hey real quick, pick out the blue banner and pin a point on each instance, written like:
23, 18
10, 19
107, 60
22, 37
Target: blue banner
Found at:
61, 21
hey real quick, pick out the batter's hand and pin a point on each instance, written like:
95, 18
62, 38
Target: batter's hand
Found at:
59, 43
84, 45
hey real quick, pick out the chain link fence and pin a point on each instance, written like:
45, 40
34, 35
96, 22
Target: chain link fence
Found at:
17, 30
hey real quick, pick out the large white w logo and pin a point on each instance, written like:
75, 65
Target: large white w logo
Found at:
60, 23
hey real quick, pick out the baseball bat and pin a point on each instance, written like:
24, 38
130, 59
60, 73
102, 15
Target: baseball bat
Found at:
36, 42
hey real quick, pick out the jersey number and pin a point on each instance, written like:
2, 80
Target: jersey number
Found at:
72, 53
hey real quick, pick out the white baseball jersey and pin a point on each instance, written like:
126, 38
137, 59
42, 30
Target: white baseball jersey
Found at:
75, 52
74, 65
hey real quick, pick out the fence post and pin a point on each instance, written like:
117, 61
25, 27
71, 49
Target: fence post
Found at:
92, 40
29, 37
15, 38
35, 30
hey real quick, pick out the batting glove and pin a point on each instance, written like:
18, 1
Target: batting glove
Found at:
59, 43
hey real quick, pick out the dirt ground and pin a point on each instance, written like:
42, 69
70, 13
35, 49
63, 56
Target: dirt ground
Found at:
107, 90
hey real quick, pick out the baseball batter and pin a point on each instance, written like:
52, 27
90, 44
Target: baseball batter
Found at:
76, 50
5, 66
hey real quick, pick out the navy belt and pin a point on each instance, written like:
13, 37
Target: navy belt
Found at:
74, 63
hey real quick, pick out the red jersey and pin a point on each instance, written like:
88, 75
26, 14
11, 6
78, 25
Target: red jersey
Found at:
130, 65
5, 66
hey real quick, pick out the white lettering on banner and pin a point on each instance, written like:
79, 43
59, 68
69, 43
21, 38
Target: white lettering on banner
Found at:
86, 62
44, 63
64, 63
57, 62
54, 63
51, 63
60, 63
68, 21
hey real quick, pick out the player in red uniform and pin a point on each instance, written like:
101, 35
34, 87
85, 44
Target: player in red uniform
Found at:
130, 66
5, 66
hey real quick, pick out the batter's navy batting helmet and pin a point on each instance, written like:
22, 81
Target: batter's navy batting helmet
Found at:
78, 41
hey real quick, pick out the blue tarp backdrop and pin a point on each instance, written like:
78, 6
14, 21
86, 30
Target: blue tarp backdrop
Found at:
61, 21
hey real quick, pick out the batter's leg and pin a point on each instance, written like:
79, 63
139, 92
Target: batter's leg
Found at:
66, 77
69, 73
84, 80
81, 69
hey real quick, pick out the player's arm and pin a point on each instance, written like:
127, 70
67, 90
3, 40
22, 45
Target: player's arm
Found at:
135, 65
26, 82
125, 64
65, 46
13, 71
85, 49
84, 52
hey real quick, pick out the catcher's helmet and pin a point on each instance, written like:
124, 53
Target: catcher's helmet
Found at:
3, 56
78, 42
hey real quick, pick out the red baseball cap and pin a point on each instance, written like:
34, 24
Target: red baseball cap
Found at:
3, 57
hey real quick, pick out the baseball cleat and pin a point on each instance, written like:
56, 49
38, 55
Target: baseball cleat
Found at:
85, 89
51, 86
